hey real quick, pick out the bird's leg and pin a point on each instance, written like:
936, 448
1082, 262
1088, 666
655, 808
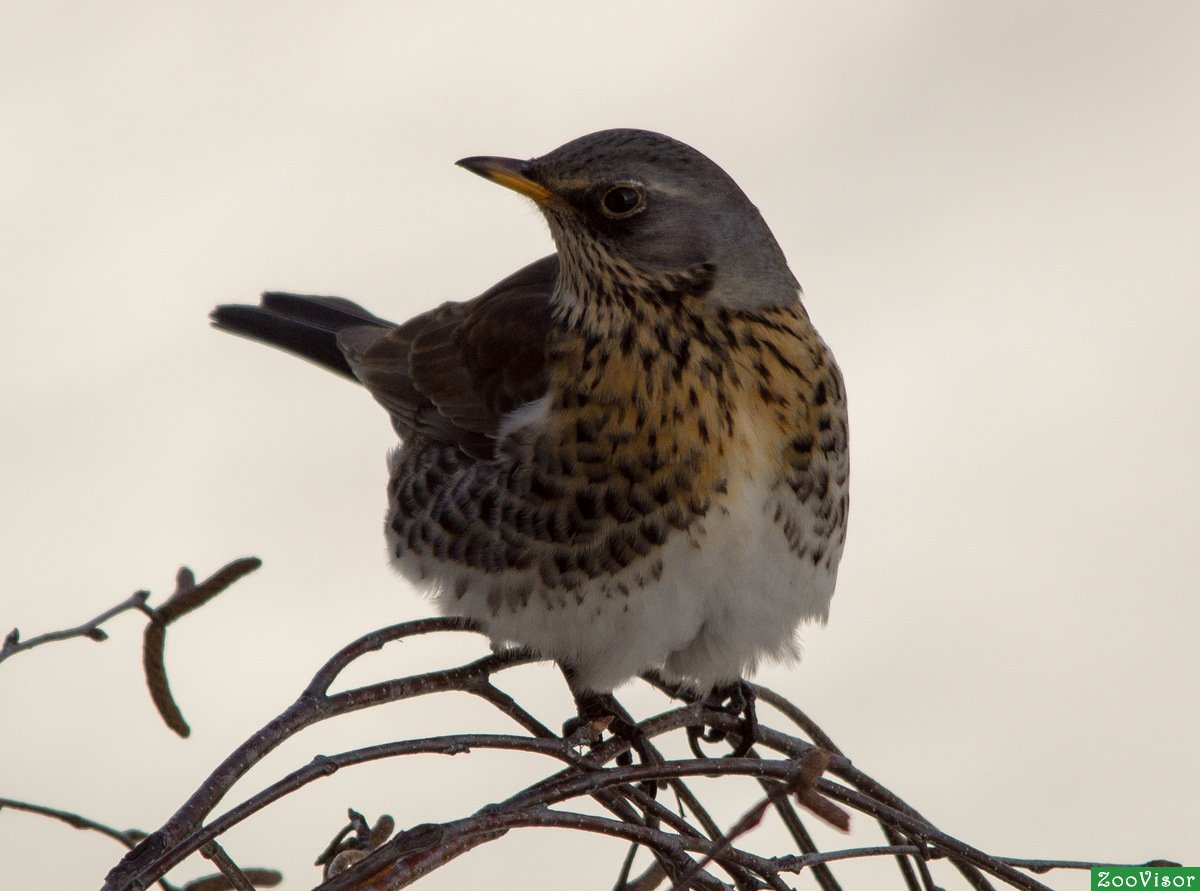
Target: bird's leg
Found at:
742, 702
736, 699
592, 706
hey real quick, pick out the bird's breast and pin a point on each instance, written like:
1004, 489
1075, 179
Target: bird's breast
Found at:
670, 407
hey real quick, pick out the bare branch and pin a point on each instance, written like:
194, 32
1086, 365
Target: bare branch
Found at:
688, 847
187, 597
159, 851
637, 817
257, 878
230, 870
126, 837
90, 629
1044, 866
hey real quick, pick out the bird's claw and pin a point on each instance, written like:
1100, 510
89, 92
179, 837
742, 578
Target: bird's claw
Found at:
736, 699
601, 711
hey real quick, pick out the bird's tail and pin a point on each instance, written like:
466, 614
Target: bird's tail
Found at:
304, 326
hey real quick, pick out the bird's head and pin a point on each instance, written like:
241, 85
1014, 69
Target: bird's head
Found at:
637, 215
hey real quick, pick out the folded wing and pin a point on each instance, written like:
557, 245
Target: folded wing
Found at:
450, 374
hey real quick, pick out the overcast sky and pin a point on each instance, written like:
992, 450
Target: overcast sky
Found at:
994, 210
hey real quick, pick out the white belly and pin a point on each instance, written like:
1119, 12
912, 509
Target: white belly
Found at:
731, 591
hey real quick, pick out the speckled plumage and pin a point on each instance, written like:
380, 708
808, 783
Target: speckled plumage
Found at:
630, 455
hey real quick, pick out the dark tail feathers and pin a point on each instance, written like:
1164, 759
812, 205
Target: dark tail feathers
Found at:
305, 326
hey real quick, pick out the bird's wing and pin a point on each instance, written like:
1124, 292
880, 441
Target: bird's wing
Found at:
453, 373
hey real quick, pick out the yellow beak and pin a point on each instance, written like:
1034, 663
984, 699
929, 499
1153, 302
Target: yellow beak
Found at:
510, 173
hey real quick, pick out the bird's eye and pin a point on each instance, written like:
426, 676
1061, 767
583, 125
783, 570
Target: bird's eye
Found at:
621, 201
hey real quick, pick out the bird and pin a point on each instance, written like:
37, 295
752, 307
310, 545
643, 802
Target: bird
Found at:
630, 455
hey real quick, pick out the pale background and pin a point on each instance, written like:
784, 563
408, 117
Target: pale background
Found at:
994, 210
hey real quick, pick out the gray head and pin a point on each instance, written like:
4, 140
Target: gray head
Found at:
637, 209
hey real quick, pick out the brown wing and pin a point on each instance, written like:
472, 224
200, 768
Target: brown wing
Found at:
453, 373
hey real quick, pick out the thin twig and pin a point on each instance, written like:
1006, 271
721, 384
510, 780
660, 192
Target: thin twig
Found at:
509, 706
258, 878
796, 716
777, 795
662, 814
1044, 866
127, 837
800, 862
188, 596
90, 629
230, 870
324, 766
495, 820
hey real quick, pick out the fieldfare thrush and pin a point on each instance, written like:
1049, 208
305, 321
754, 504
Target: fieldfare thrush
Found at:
629, 455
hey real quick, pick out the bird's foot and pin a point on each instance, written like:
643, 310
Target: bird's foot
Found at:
736, 699
597, 712
601, 711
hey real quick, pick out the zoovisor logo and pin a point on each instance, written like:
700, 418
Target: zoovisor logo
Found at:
1146, 877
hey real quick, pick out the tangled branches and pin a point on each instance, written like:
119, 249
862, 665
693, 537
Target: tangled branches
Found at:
799, 770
